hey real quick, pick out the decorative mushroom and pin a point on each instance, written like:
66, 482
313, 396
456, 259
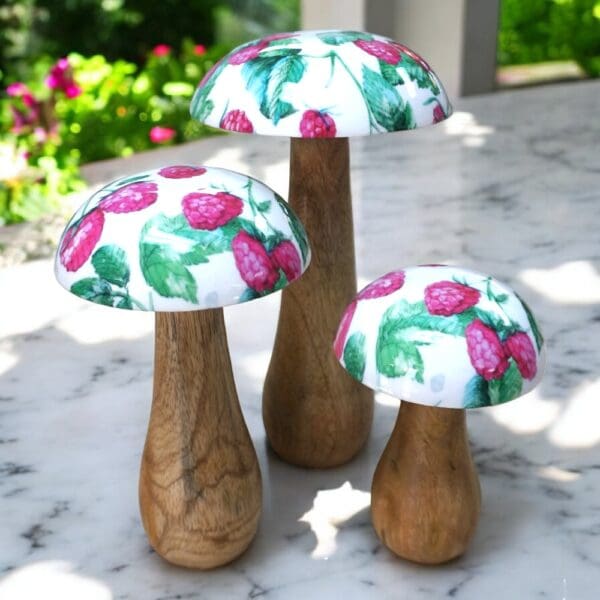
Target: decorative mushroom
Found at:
319, 88
185, 241
443, 339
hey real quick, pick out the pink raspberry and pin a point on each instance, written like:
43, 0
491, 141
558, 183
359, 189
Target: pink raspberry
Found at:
382, 50
130, 198
438, 114
236, 120
253, 262
485, 349
80, 240
316, 124
209, 211
449, 298
344, 327
286, 257
383, 286
181, 172
519, 346
247, 53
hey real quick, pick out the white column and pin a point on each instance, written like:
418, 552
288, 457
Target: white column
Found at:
332, 14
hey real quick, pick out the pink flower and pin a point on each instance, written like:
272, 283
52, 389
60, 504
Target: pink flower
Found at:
384, 51
486, 353
286, 257
209, 211
17, 89
181, 172
130, 198
161, 50
438, 114
199, 49
160, 135
253, 262
236, 120
80, 240
317, 124
519, 346
383, 286
61, 78
20, 120
344, 327
447, 298
247, 53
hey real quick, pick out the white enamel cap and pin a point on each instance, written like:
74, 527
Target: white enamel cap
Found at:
441, 336
320, 84
181, 238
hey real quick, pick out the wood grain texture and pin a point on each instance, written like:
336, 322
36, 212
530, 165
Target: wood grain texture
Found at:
425, 498
315, 414
200, 485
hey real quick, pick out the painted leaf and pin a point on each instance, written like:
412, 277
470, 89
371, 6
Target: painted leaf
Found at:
385, 103
476, 393
124, 303
404, 315
93, 289
110, 263
508, 387
335, 38
278, 52
537, 334
390, 73
289, 69
354, 355
419, 75
164, 272
249, 294
201, 106
264, 206
396, 357
297, 228
256, 74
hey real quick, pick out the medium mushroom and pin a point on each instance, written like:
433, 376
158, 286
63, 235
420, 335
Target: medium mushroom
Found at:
443, 339
185, 241
319, 88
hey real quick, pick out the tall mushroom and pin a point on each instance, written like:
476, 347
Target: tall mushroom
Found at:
319, 88
185, 241
443, 339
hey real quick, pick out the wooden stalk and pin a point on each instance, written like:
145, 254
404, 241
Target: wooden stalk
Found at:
315, 414
426, 497
200, 485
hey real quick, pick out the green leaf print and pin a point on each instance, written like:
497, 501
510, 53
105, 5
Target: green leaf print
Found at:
336, 38
385, 103
201, 106
537, 334
390, 73
354, 355
397, 357
476, 393
297, 228
125, 302
93, 289
165, 274
110, 263
423, 78
508, 387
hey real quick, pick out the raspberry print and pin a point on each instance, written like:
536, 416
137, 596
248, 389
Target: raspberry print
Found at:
248, 53
486, 352
438, 114
181, 172
406, 50
131, 198
236, 120
382, 50
286, 257
253, 262
342, 332
519, 346
383, 286
209, 211
447, 298
316, 124
80, 240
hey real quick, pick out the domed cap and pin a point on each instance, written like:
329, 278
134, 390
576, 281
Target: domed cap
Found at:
181, 238
441, 336
320, 84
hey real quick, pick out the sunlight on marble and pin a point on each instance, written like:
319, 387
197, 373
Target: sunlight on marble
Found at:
255, 364
51, 580
465, 124
530, 414
386, 400
578, 427
332, 508
576, 282
7, 361
556, 474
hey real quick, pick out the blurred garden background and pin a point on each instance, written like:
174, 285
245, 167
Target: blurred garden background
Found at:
86, 80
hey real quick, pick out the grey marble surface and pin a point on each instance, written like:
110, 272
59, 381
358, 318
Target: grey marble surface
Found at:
509, 185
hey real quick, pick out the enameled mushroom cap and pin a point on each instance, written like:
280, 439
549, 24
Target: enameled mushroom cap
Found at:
320, 84
441, 336
181, 238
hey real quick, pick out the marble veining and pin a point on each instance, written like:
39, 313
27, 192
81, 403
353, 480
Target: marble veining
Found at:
509, 186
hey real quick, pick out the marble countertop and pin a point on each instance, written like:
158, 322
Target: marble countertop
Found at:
509, 185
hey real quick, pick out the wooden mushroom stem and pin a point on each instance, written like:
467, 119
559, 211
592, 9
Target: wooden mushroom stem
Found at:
315, 414
200, 484
425, 496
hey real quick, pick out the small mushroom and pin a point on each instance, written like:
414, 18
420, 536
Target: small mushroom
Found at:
185, 241
443, 339
319, 88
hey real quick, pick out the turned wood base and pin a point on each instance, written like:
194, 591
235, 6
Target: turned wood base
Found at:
426, 497
200, 484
